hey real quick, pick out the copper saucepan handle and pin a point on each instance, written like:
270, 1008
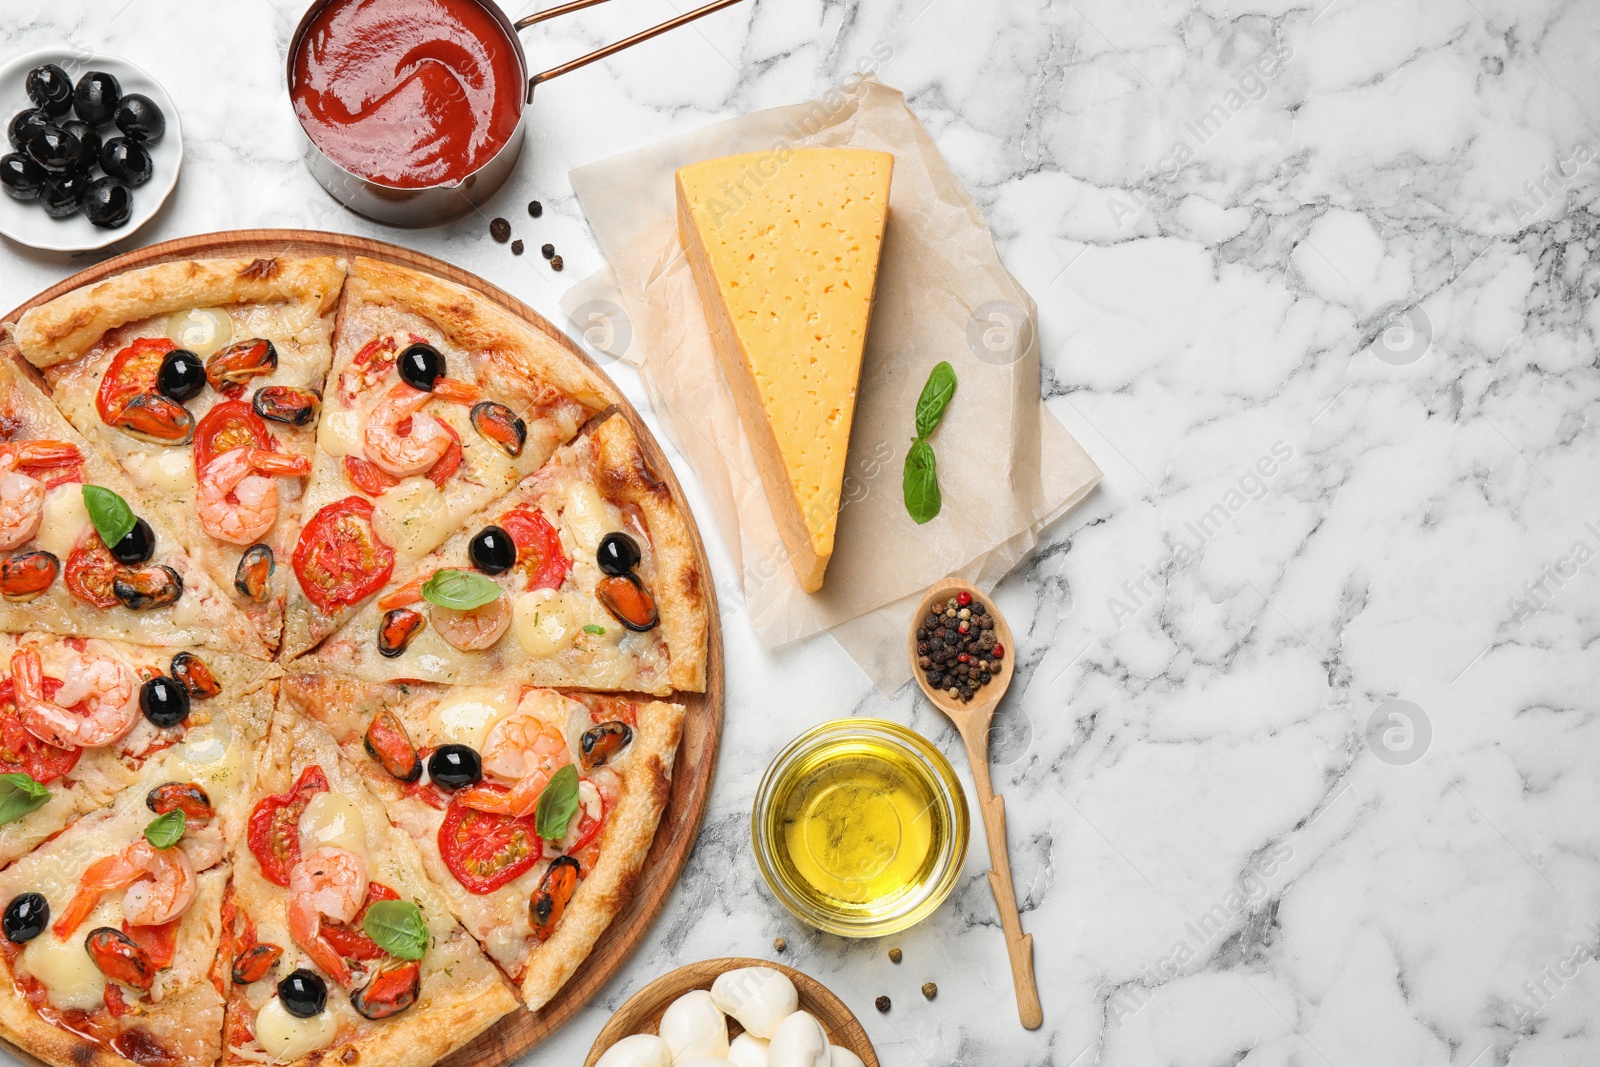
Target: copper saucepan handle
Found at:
601, 53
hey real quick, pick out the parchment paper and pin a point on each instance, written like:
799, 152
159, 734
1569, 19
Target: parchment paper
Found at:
1006, 466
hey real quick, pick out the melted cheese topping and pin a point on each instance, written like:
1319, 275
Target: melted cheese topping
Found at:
71, 980
63, 520
467, 719
170, 470
286, 1038
413, 517
200, 330
332, 820
543, 622
339, 433
586, 516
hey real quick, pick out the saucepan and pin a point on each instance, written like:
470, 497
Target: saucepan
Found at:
344, 170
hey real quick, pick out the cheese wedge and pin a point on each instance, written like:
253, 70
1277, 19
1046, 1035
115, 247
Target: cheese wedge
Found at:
784, 247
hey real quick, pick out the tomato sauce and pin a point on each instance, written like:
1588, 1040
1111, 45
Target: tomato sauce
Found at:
407, 93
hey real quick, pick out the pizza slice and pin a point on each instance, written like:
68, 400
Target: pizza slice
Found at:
340, 949
583, 576
79, 719
56, 572
203, 378
111, 929
533, 810
438, 402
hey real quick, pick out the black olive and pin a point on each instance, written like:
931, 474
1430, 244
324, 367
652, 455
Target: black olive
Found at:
63, 193
138, 117
56, 150
164, 701
454, 767
50, 88
492, 551
107, 202
22, 177
618, 554
88, 137
420, 366
182, 375
303, 993
96, 97
26, 917
137, 546
24, 124
126, 159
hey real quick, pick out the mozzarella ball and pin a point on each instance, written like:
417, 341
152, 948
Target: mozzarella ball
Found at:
640, 1050
843, 1057
748, 1051
759, 997
693, 1026
799, 1041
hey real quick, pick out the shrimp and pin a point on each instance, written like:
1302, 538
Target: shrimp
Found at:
22, 496
330, 882
160, 886
471, 630
236, 503
403, 445
526, 751
104, 687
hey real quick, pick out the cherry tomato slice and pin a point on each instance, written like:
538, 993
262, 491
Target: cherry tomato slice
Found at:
448, 463
485, 851
91, 569
132, 371
274, 832
339, 559
160, 943
539, 552
367, 476
589, 828
229, 425
348, 939
20, 750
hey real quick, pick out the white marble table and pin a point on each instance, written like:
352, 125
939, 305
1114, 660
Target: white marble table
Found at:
1330, 332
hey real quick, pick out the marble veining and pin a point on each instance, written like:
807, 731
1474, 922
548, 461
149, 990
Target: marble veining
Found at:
1299, 753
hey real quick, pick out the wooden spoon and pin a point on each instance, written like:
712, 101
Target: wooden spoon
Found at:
972, 720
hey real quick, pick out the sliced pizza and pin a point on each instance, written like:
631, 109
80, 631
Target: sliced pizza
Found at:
203, 379
80, 718
583, 576
438, 402
339, 948
533, 810
111, 929
57, 573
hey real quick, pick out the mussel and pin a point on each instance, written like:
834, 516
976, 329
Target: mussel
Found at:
143, 588
287, 404
187, 797
27, 575
389, 744
554, 893
255, 963
600, 743
193, 674
119, 958
398, 629
500, 426
229, 369
391, 992
625, 596
254, 573
157, 419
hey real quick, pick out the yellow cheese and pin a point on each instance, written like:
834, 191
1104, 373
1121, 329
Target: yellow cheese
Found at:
784, 248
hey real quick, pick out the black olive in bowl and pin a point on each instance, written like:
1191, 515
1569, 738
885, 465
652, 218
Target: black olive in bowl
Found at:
88, 137
23, 125
22, 178
107, 202
56, 150
138, 117
96, 97
50, 88
62, 193
126, 159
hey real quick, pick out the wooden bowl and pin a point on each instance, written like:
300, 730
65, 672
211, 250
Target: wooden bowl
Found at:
642, 1012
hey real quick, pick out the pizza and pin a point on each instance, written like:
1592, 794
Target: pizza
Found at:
345, 623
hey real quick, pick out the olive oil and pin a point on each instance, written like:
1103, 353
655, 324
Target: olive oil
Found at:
860, 827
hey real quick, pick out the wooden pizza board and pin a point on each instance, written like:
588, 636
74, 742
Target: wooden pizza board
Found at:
514, 1035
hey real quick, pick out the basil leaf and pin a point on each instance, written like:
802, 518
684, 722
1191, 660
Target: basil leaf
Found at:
397, 927
557, 804
591, 628
112, 517
920, 483
936, 394
461, 590
164, 831
20, 795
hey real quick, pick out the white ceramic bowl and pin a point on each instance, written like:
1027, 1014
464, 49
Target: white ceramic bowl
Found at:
25, 221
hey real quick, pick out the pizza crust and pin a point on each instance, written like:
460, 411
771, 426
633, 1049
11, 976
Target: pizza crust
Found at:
69, 325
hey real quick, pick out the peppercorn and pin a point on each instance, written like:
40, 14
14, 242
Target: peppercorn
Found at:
894, 955
547, 250
516, 248
500, 230
778, 943
556, 263
998, 652
985, 677
882, 1004
929, 990
535, 209
964, 613
922, 633
988, 622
